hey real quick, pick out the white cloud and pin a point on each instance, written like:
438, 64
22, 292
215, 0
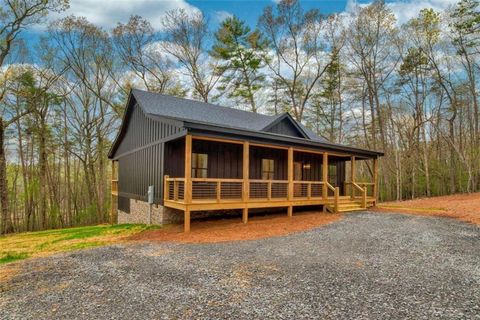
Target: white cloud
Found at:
106, 13
222, 15
408, 9
405, 11
352, 5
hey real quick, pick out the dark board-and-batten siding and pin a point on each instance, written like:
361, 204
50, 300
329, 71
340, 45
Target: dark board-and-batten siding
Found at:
285, 127
225, 161
140, 155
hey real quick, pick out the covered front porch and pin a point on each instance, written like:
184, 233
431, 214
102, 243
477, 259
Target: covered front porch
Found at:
205, 173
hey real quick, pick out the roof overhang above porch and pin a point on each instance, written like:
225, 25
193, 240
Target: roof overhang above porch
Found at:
207, 130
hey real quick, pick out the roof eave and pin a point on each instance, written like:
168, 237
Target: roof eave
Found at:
282, 139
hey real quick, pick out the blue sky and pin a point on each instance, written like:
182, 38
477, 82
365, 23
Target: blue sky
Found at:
106, 13
249, 10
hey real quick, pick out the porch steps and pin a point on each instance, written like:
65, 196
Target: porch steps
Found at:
350, 207
346, 204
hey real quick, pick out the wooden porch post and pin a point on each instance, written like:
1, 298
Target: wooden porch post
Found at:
246, 177
188, 169
290, 180
188, 181
325, 176
166, 188
352, 169
245, 215
114, 170
375, 180
336, 195
186, 224
113, 196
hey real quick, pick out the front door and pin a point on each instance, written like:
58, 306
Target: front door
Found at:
297, 171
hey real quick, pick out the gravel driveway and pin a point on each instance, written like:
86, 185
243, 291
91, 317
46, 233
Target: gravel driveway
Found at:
367, 266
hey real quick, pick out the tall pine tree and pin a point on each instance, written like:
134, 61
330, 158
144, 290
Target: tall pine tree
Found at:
242, 55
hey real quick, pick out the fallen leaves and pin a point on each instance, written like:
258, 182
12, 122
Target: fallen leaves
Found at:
223, 230
465, 207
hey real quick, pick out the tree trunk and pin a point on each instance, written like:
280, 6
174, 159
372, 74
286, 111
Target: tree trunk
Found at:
26, 191
453, 163
6, 226
66, 160
42, 163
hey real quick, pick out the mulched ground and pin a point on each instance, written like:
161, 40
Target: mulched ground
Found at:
232, 229
365, 266
465, 207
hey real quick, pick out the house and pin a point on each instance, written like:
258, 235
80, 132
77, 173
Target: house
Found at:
204, 157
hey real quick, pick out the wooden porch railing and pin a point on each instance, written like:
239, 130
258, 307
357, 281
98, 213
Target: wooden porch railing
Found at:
174, 189
218, 190
268, 189
308, 189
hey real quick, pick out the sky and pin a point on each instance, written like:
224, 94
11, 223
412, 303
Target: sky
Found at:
107, 13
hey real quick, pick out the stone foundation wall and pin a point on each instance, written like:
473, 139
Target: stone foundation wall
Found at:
139, 213
162, 215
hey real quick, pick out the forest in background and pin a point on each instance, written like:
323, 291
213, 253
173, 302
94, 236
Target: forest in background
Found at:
359, 78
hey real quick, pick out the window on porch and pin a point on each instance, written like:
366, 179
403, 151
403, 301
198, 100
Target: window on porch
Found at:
267, 169
199, 165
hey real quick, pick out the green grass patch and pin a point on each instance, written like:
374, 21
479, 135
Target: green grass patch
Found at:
12, 256
33, 244
85, 245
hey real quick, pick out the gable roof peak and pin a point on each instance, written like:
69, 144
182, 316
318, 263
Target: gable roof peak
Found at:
287, 117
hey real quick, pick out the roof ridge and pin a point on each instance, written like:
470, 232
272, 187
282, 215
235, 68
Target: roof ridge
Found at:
189, 110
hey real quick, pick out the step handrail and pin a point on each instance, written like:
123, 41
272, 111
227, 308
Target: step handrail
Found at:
330, 186
363, 192
336, 195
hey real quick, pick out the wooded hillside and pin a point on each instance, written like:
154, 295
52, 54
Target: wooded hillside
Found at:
359, 78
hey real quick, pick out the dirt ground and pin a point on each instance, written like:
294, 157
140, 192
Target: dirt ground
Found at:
232, 229
465, 207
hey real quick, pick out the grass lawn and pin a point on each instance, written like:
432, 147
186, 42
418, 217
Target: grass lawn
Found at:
34, 244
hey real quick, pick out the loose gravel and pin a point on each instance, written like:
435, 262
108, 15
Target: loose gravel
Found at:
366, 266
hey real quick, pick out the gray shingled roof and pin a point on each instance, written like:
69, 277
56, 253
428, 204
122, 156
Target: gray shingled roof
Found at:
156, 104
312, 135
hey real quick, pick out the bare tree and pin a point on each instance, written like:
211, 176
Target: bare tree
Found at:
14, 17
371, 51
298, 62
85, 51
186, 37
327, 106
140, 52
